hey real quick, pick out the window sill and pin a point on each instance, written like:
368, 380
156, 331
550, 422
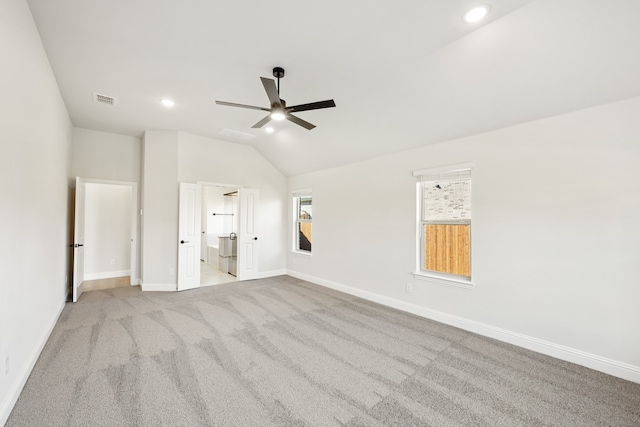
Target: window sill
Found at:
444, 280
303, 254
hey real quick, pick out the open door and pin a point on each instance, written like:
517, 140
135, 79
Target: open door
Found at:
189, 236
78, 239
204, 256
249, 202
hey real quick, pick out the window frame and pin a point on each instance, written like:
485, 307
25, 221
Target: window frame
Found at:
421, 257
297, 195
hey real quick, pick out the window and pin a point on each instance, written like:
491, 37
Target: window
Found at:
303, 214
444, 200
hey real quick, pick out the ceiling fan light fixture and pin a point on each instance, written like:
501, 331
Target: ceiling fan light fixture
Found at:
476, 14
168, 103
277, 115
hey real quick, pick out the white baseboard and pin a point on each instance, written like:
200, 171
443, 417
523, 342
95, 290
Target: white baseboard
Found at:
272, 273
158, 287
14, 392
106, 275
593, 361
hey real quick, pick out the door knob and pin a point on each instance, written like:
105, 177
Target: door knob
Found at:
255, 238
184, 241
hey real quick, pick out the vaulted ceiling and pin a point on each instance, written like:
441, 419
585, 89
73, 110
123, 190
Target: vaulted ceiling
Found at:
403, 74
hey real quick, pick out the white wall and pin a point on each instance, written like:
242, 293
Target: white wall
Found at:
103, 155
159, 210
34, 199
107, 239
556, 235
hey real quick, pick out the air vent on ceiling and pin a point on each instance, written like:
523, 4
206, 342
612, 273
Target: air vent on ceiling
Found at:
236, 134
104, 99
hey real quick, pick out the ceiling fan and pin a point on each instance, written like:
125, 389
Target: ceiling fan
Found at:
279, 109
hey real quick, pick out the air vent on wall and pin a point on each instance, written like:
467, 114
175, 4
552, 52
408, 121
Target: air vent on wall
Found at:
236, 134
104, 99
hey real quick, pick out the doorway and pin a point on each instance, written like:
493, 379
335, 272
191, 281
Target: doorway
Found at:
220, 220
105, 242
190, 236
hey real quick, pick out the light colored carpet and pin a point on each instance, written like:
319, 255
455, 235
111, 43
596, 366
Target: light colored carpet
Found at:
283, 352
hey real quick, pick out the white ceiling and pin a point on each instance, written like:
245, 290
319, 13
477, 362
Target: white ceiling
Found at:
403, 74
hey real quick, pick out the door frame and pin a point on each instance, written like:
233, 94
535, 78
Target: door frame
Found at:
135, 209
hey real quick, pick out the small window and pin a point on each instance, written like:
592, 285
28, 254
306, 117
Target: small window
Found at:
303, 216
445, 222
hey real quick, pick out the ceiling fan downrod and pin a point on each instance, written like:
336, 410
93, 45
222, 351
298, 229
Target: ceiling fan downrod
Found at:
278, 73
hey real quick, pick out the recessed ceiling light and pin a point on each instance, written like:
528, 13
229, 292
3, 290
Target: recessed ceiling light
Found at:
476, 13
168, 103
269, 130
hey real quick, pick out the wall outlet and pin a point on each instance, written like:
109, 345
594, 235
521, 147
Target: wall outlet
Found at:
6, 365
172, 272
409, 287
113, 262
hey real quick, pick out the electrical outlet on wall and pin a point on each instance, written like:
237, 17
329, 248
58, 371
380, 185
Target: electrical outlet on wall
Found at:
409, 287
113, 262
6, 365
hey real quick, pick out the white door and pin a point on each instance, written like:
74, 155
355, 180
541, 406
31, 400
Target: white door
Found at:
203, 229
249, 201
78, 239
189, 236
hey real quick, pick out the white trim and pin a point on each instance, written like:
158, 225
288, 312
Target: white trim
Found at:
302, 192
303, 254
444, 280
158, 287
583, 358
215, 184
14, 392
442, 169
106, 275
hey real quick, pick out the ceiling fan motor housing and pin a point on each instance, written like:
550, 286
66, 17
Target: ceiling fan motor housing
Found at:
278, 72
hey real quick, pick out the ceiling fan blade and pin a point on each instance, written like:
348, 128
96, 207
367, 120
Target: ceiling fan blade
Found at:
299, 121
272, 91
262, 122
233, 104
312, 106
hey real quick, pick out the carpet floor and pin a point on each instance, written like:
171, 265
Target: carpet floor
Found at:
284, 352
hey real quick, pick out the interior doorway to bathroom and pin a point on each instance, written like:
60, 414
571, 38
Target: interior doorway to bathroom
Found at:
220, 221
